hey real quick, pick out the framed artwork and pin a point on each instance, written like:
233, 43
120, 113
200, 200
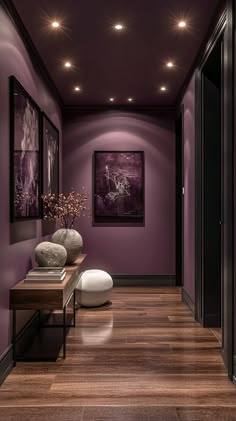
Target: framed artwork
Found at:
50, 144
118, 186
25, 154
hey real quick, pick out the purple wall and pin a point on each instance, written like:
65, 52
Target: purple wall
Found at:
15, 255
148, 249
189, 189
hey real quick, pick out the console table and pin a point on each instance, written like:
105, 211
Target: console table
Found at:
50, 296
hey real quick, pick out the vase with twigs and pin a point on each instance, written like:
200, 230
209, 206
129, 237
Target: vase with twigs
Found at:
65, 209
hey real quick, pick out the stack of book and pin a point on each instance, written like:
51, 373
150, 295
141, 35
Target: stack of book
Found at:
46, 275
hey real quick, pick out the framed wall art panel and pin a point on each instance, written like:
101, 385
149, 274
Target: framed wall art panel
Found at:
50, 144
25, 155
118, 186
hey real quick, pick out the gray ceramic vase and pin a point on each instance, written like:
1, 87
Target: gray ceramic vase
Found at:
71, 240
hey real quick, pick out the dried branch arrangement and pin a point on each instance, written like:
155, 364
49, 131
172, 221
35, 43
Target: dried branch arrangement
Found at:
65, 209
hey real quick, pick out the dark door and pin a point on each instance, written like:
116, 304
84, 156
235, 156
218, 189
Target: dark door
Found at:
211, 188
228, 189
210, 140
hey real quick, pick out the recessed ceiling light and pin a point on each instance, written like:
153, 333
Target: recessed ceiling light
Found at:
67, 64
169, 64
163, 88
130, 99
55, 24
77, 88
182, 24
119, 27
112, 99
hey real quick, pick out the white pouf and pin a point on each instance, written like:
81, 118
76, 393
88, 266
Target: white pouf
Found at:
94, 288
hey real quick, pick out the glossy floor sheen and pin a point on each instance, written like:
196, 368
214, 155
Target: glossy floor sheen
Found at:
143, 358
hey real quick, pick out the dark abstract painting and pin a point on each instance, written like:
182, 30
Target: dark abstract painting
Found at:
118, 186
50, 157
25, 154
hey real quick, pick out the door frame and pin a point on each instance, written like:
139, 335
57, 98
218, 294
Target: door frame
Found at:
223, 28
179, 234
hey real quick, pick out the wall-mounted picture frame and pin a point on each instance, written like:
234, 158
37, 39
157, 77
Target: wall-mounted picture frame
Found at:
50, 145
25, 155
118, 186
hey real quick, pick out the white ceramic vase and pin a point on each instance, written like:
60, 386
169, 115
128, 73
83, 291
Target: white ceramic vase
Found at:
71, 240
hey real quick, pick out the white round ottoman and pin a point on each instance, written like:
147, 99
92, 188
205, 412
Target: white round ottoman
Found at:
94, 288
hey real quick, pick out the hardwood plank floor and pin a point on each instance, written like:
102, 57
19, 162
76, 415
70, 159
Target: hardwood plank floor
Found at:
142, 358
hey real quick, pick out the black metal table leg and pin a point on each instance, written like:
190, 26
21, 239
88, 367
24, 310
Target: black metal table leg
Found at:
74, 313
14, 337
64, 332
39, 314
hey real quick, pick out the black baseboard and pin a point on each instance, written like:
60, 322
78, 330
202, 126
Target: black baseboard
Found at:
188, 301
144, 280
24, 338
6, 364
234, 370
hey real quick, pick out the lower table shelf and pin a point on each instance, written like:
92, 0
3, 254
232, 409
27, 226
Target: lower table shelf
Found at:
43, 326
47, 296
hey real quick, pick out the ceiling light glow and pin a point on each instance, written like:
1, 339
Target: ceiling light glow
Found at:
170, 64
77, 88
119, 27
182, 24
163, 88
67, 64
130, 99
55, 24
112, 99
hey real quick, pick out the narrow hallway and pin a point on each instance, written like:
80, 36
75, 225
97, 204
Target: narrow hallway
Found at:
142, 358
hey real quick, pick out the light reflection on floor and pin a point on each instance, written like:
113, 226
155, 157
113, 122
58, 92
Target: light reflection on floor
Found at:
100, 333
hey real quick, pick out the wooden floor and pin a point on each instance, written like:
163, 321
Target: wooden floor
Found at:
142, 358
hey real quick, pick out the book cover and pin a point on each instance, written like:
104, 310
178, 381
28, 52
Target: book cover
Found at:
45, 279
34, 273
59, 276
46, 270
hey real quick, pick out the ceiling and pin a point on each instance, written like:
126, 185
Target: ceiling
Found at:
106, 63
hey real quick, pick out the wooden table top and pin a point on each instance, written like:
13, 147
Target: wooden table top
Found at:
51, 295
